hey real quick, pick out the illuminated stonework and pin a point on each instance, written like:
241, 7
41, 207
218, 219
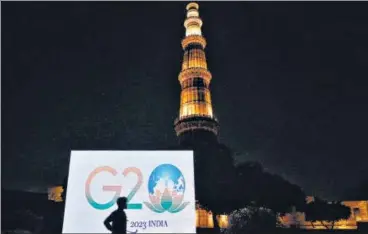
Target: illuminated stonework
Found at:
195, 72
193, 39
204, 219
196, 111
359, 213
192, 125
193, 23
54, 193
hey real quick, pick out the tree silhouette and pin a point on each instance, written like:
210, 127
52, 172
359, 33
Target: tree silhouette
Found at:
23, 210
214, 176
223, 189
326, 212
252, 220
266, 189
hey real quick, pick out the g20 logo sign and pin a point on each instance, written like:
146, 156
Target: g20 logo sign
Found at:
166, 187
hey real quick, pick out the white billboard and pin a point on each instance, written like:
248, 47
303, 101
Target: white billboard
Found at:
159, 186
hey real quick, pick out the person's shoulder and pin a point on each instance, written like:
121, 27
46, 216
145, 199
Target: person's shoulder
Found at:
114, 212
121, 212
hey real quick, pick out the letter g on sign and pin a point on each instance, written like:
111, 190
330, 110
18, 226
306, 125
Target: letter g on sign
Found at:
106, 188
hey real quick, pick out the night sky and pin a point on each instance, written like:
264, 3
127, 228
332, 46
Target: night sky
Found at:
289, 85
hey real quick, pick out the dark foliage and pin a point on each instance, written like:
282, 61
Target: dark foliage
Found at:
214, 177
30, 211
252, 220
222, 188
326, 212
22, 210
268, 190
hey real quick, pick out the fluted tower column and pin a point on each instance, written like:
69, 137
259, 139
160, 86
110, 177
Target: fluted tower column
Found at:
196, 118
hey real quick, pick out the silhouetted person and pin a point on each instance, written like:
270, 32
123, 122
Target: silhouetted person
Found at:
117, 220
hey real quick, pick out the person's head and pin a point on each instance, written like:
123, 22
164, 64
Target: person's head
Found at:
122, 203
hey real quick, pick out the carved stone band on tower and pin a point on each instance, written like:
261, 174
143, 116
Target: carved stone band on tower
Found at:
196, 111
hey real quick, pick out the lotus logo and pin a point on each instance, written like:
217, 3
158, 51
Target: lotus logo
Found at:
166, 189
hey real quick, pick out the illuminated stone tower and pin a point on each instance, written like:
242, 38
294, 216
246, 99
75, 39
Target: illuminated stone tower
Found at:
196, 121
196, 126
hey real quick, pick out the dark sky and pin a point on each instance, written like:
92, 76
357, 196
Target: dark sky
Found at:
289, 85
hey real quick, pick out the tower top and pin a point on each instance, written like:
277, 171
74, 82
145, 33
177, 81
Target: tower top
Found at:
193, 22
192, 5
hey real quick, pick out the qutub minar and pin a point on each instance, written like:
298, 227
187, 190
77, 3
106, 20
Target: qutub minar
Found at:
196, 124
196, 120
197, 128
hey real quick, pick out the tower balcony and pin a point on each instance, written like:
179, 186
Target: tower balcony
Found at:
196, 123
195, 72
193, 39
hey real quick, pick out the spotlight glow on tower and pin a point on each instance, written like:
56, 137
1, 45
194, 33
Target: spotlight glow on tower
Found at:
196, 111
